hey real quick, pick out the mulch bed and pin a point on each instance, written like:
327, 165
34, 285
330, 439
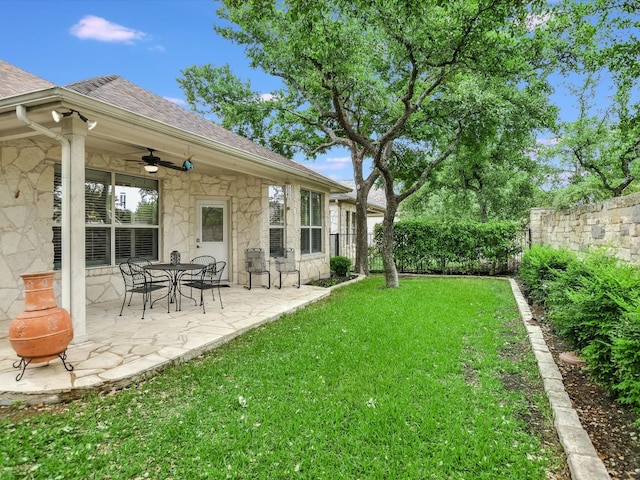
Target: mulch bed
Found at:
609, 424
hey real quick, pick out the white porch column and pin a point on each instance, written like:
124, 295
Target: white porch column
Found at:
73, 179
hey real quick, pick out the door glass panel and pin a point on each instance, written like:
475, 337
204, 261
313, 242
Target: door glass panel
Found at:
212, 224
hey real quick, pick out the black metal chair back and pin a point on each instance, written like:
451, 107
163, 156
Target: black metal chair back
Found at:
209, 278
203, 260
256, 263
140, 262
287, 264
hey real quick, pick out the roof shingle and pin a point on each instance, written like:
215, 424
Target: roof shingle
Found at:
117, 91
15, 81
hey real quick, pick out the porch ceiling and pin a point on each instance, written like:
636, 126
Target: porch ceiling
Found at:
125, 134
127, 139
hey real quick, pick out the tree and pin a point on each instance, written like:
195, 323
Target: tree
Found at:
495, 171
494, 183
597, 44
600, 151
285, 123
397, 81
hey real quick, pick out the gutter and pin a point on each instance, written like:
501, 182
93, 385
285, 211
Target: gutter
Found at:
44, 98
21, 113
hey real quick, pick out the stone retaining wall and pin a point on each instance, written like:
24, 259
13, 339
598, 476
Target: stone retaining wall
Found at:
614, 224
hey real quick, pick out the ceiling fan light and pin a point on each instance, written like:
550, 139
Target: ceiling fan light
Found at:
151, 168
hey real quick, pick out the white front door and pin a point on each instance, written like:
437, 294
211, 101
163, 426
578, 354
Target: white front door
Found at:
213, 232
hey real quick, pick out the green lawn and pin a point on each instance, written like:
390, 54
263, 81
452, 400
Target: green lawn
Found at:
431, 380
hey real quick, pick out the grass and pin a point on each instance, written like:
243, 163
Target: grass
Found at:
372, 383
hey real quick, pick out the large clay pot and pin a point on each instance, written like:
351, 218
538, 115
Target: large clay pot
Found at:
43, 330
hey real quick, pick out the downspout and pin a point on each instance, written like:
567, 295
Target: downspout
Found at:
21, 113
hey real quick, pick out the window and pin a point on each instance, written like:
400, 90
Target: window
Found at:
113, 232
310, 222
276, 220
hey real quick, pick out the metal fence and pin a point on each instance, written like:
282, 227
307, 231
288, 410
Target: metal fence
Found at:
344, 244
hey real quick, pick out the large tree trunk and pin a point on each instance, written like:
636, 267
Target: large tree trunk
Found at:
363, 186
362, 242
390, 270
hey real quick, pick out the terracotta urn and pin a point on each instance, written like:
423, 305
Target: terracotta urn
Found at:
43, 330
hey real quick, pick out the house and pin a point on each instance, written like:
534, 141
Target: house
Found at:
342, 208
122, 172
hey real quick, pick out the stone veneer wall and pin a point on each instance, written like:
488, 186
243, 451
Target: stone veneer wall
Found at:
614, 223
26, 201
26, 213
251, 227
26, 181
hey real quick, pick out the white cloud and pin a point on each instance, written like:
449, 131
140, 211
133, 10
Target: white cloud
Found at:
266, 96
335, 163
91, 27
336, 168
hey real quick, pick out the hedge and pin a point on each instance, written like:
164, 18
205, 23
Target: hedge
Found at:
593, 302
455, 247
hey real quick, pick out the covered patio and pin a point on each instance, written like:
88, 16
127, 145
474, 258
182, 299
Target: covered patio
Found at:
121, 350
150, 179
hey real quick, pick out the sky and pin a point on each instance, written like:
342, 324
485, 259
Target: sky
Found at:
148, 42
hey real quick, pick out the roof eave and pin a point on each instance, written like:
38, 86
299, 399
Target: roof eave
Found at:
60, 96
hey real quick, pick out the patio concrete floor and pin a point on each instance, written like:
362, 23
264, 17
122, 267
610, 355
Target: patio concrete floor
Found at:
121, 350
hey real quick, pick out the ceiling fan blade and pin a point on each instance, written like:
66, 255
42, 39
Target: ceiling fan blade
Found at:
151, 159
166, 164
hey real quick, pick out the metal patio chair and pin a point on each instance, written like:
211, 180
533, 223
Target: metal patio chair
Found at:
136, 280
209, 279
287, 264
256, 263
204, 260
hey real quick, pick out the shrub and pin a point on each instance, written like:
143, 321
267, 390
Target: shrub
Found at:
542, 265
558, 289
340, 265
460, 247
593, 302
625, 355
590, 313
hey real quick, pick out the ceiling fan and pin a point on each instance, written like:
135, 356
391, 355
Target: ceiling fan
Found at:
152, 163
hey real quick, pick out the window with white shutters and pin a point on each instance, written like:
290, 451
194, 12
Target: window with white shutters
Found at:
276, 220
121, 217
310, 222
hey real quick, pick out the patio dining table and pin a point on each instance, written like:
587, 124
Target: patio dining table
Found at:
175, 271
